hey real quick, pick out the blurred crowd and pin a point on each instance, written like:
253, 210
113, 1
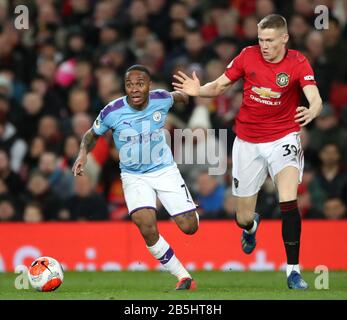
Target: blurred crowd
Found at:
57, 75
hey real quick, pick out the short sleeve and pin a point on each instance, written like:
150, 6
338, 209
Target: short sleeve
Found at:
99, 126
165, 97
306, 75
235, 69
171, 103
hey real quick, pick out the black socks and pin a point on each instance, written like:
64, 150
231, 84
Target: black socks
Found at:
291, 230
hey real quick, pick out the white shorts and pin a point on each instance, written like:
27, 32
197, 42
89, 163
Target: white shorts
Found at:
141, 191
252, 162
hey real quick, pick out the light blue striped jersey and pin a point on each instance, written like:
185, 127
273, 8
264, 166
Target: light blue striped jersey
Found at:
138, 135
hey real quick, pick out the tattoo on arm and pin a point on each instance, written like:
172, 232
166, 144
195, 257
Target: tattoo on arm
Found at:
88, 141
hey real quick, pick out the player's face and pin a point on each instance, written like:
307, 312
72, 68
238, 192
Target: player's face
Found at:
272, 43
137, 85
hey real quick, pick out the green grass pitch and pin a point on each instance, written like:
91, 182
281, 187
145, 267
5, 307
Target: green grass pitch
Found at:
155, 285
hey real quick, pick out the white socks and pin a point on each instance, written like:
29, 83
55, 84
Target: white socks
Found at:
254, 228
291, 267
163, 252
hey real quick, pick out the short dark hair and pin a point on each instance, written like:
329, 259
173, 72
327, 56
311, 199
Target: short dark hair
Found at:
273, 21
139, 67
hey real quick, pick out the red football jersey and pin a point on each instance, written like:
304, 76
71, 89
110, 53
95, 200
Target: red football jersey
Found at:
271, 93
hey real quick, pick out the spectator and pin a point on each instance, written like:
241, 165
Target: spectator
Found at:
52, 101
180, 11
195, 48
84, 76
86, 204
228, 23
31, 114
210, 196
33, 213
48, 129
71, 149
11, 87
81, 11
334, 209
314, 45
298, 29
201, 150
104, 12
140, 35
331, 179
76, 46
226, 48
109, 88
138, 12
78, 101
304, 7
47, 69
38, 190
12, 180
31, 160
250, 31
175, 43
228, 210
61, 181
327, 129
109, 35
158, 17
335, 50
7, 210
264, 8
13, 144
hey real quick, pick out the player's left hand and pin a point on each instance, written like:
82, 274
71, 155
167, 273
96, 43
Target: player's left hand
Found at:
304, 116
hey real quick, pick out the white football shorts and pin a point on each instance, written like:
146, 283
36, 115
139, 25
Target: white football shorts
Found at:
252, 162
141, 191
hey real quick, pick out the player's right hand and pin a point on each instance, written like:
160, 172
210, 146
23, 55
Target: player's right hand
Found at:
78, 167
190, 86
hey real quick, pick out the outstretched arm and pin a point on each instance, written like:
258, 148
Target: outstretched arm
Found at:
87, 144
305, 115
192, 87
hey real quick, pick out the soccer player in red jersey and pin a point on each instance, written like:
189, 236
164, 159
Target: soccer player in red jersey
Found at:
267, 130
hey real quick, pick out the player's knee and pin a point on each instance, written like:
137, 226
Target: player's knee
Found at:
244, 222
193, 228
190, 228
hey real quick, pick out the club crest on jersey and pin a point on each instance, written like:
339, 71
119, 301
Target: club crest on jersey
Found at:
156, 116
282, 79
97, 123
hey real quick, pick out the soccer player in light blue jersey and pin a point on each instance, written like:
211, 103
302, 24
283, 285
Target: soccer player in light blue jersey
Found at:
147, 167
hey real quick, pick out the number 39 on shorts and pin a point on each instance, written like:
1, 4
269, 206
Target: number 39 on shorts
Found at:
288, 149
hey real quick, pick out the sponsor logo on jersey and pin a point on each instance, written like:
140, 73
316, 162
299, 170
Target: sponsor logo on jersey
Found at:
126, 122
309, 77
266, 93
282, 79
156, 116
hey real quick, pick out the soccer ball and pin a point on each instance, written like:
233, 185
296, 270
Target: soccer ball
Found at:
45, 274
